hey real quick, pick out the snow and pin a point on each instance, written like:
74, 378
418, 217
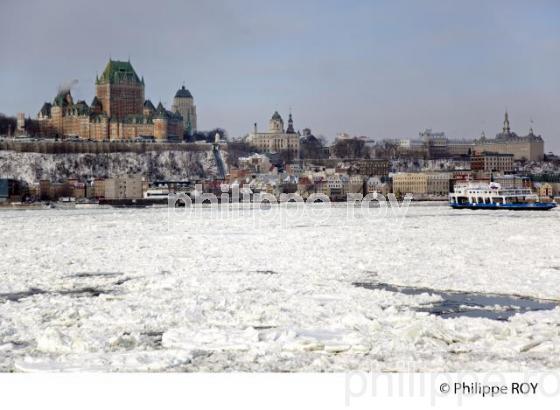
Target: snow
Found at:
31, 167
158, 290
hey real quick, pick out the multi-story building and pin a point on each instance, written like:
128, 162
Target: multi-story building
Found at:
366, 167
492, 162
421, 183
545, 189
129, 187
438, 183
183, 103
117, 112
335, 186
52, 191
435, 143
276, 139
529, 147
119, 90
458, 147
95, 188
409, 182
355, 184
258, 163
375, 184
371, 167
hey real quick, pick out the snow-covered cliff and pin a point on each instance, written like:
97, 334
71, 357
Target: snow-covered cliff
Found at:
171, 165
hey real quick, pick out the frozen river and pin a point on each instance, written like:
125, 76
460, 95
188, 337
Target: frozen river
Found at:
271, 290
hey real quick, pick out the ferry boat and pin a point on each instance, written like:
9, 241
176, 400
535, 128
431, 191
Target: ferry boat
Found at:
493, 196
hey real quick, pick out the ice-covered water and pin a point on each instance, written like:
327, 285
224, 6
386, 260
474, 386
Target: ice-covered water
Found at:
453, 304
146, 290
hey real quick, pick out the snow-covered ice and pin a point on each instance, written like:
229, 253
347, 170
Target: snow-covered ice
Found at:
153, 290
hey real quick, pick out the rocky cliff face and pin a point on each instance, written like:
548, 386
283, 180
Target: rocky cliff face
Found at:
171, 165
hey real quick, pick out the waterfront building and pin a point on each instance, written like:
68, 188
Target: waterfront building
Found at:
355, 184
334, 187
10, 190
376, 184
410, 182
117, 112
277, 138
52, 191
128, 187
422, 184
438, 183
544, 189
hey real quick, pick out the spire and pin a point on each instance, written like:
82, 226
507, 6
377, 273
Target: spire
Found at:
506, 129
290, 129
531, 127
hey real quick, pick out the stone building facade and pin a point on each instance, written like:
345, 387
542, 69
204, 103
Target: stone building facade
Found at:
183, 103
421, 184
117, 112
276, 139
492, 162
129, 187
529, 147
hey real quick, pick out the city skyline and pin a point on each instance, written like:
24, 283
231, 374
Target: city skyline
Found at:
367, 69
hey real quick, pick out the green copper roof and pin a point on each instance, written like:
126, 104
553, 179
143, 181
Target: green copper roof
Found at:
183, 93
119, 71
63, 99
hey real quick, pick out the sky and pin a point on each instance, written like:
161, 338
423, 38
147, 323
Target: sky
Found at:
385, 69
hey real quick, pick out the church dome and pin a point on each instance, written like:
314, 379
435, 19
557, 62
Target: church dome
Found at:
183, 93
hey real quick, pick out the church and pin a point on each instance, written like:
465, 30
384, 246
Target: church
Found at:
119, 111
276, 139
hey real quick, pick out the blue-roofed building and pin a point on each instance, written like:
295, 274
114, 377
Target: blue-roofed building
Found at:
8, 188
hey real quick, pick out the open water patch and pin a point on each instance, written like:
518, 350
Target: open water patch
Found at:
97, 274
17, 296
79, 292
467, 304
267, 272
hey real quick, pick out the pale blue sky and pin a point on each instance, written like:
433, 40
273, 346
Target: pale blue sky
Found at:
376, 68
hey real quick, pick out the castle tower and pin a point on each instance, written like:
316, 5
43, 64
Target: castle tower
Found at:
183, 103
120, 90
20, 122
276, 124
